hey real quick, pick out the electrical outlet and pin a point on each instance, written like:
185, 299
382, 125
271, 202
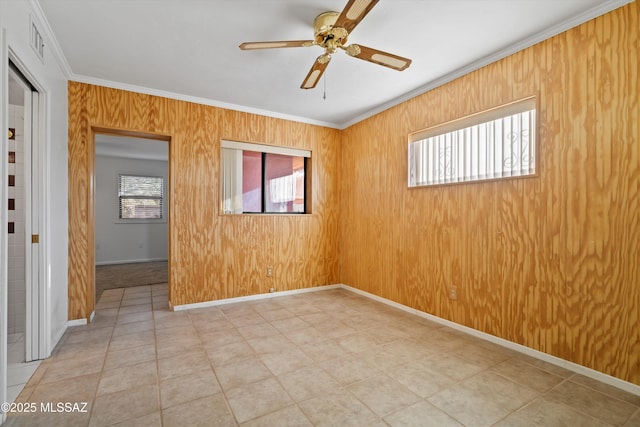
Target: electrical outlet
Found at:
453, 292
269, 271
272, 290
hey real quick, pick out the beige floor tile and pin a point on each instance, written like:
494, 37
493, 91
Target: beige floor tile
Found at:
247, 320
325, 350
286, 361
421, 414
260, 330
257, 399
134, 317
70, 368
150, 420
335, 329
242, 372
271, 344
606, 389
130, 328
212, 325
480, 356
420, 380
230, 353
289, 324
305, 336
126, 357
48, 420
206, 412
291, 416
277, 314
79, 351
482, 400
359, 342
545, 366
350, 369
383, 395
86, 335
237, 310
453, 367
634, 421
178, 390
546, 413
183, 346
134, 308
129, 341
307, 382
189, 363
174, 320
78, 389
339, 409
124, 405
127, 377
214, 338
591, 402
528, 375
103, 305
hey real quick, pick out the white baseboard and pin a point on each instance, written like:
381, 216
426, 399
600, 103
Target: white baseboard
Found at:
130, 261
574, 367
76, 322
253, 297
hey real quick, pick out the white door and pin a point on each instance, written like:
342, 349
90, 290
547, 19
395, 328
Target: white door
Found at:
34, 302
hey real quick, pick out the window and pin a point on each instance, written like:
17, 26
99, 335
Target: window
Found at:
263, 178
497, 143
140, 197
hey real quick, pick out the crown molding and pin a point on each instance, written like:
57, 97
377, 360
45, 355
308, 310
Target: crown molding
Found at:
198, 100
574, 21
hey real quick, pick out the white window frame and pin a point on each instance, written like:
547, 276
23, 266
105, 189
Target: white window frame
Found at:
163, 200
231, 177
493, 144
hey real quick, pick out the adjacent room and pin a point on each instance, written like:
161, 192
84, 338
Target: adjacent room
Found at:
249, 218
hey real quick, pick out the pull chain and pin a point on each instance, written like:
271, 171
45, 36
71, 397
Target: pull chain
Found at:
324, 95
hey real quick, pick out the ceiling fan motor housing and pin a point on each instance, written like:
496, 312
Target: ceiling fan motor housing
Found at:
326, 35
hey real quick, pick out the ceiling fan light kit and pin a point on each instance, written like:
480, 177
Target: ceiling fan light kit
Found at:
331, 30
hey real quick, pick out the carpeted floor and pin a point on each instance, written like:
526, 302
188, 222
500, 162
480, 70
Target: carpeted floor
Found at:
128, 275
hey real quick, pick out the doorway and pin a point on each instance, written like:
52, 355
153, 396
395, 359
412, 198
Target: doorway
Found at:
131, 200
25, 300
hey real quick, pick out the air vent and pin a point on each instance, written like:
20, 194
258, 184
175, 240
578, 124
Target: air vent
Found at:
37, 42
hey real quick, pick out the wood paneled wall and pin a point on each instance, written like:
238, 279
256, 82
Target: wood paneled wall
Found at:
550, 262
211, 256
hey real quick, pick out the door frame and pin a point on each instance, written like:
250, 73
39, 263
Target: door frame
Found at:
39, 287
103, 130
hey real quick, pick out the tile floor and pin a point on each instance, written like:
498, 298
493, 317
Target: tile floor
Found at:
326, 358
18, 372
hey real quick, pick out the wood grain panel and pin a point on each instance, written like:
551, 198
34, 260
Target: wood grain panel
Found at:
551, 262
211, 256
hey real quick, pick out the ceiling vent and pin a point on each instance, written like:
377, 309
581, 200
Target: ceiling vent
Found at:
37, 42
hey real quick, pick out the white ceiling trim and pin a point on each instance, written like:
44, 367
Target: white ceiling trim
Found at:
599, 10
198, 100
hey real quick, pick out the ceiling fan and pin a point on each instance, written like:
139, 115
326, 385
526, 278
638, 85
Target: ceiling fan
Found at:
331, 30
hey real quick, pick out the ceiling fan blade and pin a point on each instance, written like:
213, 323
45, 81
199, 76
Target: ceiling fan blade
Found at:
378, 57
353, 13
316, 72
276, 44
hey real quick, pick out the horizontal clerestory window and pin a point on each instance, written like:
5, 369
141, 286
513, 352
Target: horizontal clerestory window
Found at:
493, 144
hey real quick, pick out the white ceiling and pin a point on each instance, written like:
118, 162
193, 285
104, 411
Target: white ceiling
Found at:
188, 49
131, 148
